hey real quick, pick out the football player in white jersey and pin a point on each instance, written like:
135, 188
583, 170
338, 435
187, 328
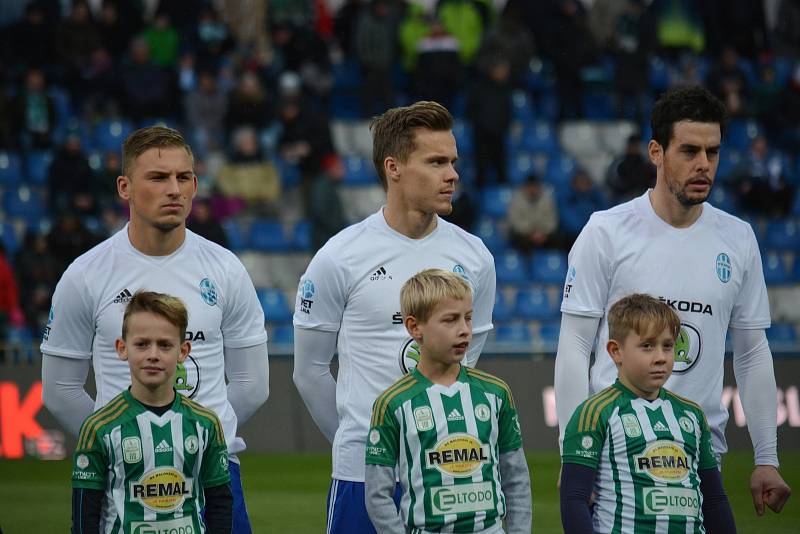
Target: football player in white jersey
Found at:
156, 252
348, 300
703, 262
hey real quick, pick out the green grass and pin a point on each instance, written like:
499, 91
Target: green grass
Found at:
286, 493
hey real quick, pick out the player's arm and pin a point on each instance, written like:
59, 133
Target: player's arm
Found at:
482, 307
313, 352
215, 481
577, 482
63, 391
516, 485
87, 505
382, 449
219, 509
89, 473
717, 513
247, 369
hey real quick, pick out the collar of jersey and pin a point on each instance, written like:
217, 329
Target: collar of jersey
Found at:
662, 393
135, 402
156, 259
380, 222
462, 377
645, 208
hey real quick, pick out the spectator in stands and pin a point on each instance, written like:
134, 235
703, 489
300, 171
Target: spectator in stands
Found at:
248, 175
300, 49
728, 82
250, 104
510, 39
740, 24
574, 48
10, 312
8, 137
533, 217
77, 38
115, 33
70, 180
305, 137
206, 107
686, 72
375, 49
37, 273
630, 45
163, 40
211, 38
30, 42
413, 28
631, 173
34, 115
577, 204
463, 20
345, 23
325, 208
678, 26
603, 19
786, 114
202, 222
68, 239
439, 72
761, 179
146, 87
489, 110
766, 96
787, 29
105, 180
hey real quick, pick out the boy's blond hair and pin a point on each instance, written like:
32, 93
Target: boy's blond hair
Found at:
420, 295
169, 307
642, 314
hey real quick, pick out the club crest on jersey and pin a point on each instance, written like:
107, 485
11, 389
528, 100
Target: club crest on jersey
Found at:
82, 462
423, 418
131, 450
663, 461
306, 294
688, 348
482, 412
208, 291
187, 377
631, 425
409, 355
686, 424
191, 444
161, 490
458, 455
724, 268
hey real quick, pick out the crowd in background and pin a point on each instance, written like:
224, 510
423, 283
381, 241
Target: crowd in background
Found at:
254, 87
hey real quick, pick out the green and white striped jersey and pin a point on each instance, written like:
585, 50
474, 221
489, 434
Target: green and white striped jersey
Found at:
153, 468
446, 443
647, 455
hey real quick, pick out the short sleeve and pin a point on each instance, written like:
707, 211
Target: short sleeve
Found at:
583, 439
70, 327
509, 436
321, 294
383, 439
243, 318
214, 471
90, 461
751, 308
706, 457
588, 273
483, 300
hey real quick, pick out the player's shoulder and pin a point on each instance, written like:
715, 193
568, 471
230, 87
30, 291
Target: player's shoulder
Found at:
589, 414
94, 259
729, 224
489, 382
457, 236
615, 216
682, 401
213, 251
103, 420
402, 389
197, 411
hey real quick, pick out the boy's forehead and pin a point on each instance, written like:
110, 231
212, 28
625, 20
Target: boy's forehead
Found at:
451, 304
148, 323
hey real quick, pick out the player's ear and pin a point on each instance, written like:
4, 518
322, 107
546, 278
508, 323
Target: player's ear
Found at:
186, 348
413, 327
656, 152
614, 351
124, 187
391, 168
122, 349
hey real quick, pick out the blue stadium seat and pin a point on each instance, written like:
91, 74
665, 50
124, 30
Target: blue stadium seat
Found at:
520, 166
540, 136
516, 333
288, 172
359, 171
489, 232
549, 266
273, 302
560, 170
548, 334
268, 236
534, 304
24, 203
235, 234
301, 235
728, 161
549, 105
37, 166
522, 107
10, 168
462, 131
723, 198
282, 335
345, 104
598, 105
346, 74
740, 133
503, 308
776, 270
8, 237
109, 134
511, 268
495, 200
783, 235
659, 75
782, 334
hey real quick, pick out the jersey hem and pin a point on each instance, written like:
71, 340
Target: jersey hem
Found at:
482, 329
88, 485
583, 313
325, 327
578, 461
65, 353
347, 478
751, 326
245, 342
376, 461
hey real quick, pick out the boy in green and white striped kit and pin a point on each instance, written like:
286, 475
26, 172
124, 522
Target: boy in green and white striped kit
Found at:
151, 459
450, 433
642, 450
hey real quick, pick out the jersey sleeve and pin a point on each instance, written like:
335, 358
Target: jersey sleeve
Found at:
321, 294
383, 439
90, 460
589, 272
70, 328
242, 318
706, 457
509, 435
214, 470
584, 437
483, 300
751, 308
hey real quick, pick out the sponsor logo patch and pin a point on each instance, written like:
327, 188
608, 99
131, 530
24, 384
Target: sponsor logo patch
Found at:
687, 348
457, 455
173, 526
306, 294
423, 418
664, 461
131, 450
462, 498
409, 355
161, 490
671, 501
631, 425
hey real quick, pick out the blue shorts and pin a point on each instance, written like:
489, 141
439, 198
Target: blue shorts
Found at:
347, 511
241, 523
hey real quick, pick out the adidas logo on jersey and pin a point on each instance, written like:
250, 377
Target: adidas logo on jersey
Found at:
455, 415
124, 297
660, 427
163, 447
380, 274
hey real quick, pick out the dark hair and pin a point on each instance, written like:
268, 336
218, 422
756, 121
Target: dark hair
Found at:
393, 133
693, 103
144, 139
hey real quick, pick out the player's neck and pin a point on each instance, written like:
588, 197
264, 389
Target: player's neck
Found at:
157, 396
444, 374
646, 395
154, 242
408, 221
671, 211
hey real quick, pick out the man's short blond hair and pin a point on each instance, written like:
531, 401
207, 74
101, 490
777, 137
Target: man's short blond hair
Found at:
642, 314
144, 139
420, 295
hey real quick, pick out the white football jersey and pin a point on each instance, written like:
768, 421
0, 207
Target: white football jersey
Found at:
90, 299
710, 273
352, 286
